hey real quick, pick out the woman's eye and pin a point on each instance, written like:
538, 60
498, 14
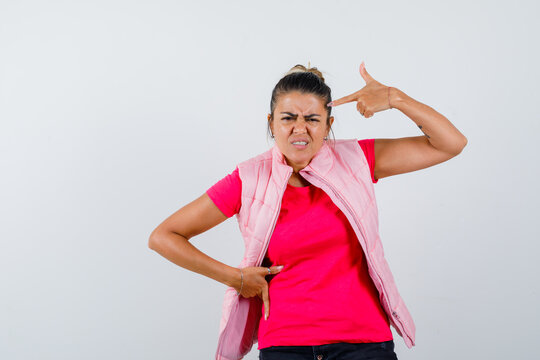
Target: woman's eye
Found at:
289, 118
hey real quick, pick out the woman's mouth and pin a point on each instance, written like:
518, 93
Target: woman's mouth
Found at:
300, 144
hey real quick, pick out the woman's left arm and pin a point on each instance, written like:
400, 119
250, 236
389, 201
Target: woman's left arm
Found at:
441, 140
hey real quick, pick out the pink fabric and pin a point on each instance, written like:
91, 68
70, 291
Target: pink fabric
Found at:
324, 293
226, 192
342, 170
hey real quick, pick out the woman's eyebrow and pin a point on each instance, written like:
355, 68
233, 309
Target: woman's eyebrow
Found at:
295, 115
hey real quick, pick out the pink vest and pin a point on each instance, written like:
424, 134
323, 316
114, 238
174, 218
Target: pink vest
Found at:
343, 173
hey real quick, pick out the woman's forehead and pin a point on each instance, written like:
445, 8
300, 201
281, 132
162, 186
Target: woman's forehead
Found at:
300, 103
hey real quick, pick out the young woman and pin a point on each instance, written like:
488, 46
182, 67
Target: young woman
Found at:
308, 215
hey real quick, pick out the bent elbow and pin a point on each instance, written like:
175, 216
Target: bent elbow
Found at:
465, 141
461, 146
152, 244
153, 240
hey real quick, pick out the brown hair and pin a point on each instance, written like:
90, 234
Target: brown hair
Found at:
305, 80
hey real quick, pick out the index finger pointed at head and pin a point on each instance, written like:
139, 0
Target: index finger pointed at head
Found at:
343, 100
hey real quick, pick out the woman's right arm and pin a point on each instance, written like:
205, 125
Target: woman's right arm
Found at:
171, 240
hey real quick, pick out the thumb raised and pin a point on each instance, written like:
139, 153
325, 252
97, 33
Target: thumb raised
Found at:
363, 72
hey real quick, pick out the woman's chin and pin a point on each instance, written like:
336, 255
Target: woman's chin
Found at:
298, 160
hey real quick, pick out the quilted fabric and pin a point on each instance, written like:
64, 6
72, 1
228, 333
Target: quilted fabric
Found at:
341, 170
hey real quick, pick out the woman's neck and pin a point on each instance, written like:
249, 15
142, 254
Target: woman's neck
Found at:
297, 180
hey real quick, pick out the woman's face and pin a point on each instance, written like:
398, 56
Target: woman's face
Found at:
299, 117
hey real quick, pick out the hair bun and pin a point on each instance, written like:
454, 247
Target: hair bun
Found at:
302, 68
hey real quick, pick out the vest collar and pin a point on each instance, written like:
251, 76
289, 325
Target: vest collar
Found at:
321, 162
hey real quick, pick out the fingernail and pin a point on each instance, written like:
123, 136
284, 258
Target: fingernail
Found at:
280, 267
265, 317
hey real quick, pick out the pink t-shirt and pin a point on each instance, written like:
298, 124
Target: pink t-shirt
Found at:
324, 293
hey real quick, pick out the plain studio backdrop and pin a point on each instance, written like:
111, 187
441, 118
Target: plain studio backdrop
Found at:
115, 114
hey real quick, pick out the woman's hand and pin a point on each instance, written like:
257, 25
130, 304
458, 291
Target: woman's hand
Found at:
255, 284
372, 98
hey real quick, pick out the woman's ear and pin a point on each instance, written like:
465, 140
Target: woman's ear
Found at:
270, 122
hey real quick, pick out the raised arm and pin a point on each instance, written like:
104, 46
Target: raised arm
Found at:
441, 140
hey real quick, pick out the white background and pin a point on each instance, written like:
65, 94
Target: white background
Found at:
114, 114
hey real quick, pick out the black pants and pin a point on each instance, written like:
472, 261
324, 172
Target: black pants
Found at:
337, 351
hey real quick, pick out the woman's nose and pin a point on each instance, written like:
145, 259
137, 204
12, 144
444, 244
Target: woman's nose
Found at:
298, 130
300, 126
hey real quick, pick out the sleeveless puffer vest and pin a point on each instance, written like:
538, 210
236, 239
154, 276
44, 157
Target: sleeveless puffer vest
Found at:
341, 170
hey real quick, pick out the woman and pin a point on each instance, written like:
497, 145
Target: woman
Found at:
307, 212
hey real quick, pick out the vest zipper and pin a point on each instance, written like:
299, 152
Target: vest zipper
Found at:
267, 242
338, 195
261, 255
276, 216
